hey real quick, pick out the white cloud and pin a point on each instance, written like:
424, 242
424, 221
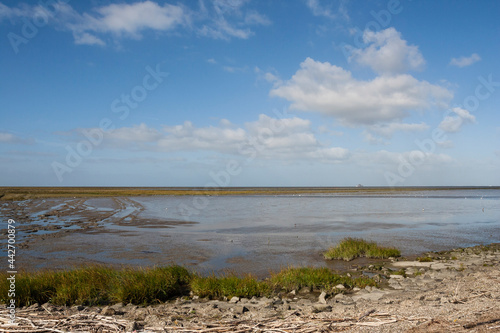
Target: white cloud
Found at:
319, 9
254, 18
225, 19
387, 53
87, 39
332, 91
13, 139
385, 157
465, 61
387, 130
455, 122
267, 138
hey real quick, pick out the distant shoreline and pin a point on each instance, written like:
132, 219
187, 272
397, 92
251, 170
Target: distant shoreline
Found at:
15, 193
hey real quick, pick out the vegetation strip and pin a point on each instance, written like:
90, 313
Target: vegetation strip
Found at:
98, 285
23, 193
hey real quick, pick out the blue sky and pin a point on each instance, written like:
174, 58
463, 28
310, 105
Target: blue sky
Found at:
249, 93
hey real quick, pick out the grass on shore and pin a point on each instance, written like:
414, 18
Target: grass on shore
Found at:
351, 248
98, 285
23, 193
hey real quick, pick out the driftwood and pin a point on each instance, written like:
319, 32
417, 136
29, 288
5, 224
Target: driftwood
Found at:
28, 321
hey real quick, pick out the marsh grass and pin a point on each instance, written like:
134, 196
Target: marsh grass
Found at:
315, 278
98, 285
228, 286
351, 248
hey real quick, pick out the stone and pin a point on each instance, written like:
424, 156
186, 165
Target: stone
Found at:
234, 300
240, 309
154, 321
74, 307
340, 287
132, 326
293, 292
322, 298
108, 311
321, 308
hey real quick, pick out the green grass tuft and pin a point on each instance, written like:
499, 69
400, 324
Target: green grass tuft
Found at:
229, 285
315, 278
351, 248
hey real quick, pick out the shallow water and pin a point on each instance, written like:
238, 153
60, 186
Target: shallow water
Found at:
424, 210
259, 233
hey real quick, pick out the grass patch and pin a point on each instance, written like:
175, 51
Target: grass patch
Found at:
425, 259
228, 286
315, 278
98, 285
351, 248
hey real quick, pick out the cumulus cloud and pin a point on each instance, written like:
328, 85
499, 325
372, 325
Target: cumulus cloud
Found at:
388, 53
453, 123
266, 138
331, 90
465, 61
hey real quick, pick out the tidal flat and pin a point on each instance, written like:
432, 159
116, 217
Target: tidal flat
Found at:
243, 230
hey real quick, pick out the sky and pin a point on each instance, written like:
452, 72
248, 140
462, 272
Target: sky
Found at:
249, 93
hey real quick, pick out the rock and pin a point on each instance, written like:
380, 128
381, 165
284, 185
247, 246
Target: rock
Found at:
234, 300
373, 296
285, 307
74, 307
322, 298
340, 286
108, 311
305, 290
132, 326
196, 297
154, 321
138, 314
356, 289
396, 276
240, 309
293, 292
321, 308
